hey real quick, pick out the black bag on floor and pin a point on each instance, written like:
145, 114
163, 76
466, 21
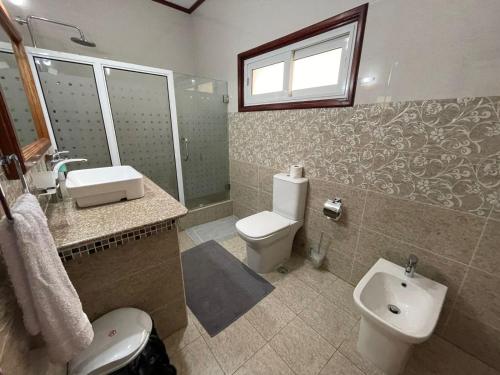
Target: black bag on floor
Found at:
153, 360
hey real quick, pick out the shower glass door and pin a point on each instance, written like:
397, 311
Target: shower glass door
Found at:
72, 102
202, 119
140, 108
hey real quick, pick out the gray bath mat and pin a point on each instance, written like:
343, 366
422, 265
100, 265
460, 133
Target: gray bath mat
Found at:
219, 288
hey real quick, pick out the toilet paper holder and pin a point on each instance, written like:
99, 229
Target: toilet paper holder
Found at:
332, 209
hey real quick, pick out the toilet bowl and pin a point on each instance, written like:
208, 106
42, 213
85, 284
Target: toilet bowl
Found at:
269, 235
119, 337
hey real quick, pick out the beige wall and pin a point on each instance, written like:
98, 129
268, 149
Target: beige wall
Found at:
415, 177
136, 31
436, 49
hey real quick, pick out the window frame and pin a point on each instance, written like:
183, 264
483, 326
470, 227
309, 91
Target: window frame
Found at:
330, 30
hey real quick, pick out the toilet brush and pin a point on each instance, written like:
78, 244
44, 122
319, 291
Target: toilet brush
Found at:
317, 255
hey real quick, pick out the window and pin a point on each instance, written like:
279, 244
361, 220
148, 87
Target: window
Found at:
313, 67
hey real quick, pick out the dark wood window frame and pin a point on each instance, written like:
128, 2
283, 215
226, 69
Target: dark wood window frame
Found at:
357, 14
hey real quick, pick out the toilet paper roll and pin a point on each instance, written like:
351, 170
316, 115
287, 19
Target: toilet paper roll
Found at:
296, 171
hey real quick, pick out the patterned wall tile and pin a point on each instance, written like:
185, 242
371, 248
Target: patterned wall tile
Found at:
466, 126
441, 152
447, 179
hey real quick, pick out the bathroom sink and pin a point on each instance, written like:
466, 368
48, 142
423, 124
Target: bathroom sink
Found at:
91, 187
408, 307
397, 311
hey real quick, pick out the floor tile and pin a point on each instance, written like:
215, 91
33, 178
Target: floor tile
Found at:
265, 362
236, 246
340, 365
182, 337
196, 322
196, 359
318, 279
329, 320
269, 316
341, 293
292, 264
235, 345
438, 357
185, 242
348, 349
302, 349
294, 293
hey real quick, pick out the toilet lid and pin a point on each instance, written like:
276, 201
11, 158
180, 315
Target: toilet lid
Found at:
263, 224
119, 336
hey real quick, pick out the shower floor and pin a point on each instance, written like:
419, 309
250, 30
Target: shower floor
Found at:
217, 230
207, 200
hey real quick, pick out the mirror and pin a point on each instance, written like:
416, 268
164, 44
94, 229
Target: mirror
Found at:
29, 140
16, 100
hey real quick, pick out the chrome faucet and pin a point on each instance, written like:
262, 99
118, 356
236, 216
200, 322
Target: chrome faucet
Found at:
411, 265
56, 157
62, 162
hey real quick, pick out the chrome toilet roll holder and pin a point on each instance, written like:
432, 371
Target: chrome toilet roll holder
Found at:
332, 209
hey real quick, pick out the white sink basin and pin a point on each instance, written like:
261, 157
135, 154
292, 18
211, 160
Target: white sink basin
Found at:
91, 187
397, 311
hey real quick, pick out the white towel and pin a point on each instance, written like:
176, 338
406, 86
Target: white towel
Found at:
47, 298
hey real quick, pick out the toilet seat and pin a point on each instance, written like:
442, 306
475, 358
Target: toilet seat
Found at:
263, 225
119, 337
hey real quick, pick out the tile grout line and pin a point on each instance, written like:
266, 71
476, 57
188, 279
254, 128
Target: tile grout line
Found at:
476, 248
211, 352
266, 342
345, 356
359, 236
429, 251
460, 288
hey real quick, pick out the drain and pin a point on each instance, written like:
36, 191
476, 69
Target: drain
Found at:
394, 309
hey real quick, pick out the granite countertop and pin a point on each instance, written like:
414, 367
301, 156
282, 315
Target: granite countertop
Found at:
71, 225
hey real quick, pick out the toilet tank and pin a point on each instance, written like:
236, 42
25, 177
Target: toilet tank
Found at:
289, 196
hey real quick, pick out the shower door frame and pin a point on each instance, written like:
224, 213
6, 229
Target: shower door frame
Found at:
99, 65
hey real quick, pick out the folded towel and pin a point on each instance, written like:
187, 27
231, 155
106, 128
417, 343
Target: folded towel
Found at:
47, 298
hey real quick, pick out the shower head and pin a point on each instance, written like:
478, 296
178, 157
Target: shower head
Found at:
82, 41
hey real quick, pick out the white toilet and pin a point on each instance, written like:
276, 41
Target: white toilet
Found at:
119, 337
269, 235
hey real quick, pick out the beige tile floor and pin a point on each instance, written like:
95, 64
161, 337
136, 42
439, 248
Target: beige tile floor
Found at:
307, 325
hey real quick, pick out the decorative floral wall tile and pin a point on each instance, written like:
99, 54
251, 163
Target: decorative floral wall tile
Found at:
467, 126
448, 180
441, 152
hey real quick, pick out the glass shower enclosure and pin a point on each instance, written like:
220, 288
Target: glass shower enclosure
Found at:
202, 121
115, 113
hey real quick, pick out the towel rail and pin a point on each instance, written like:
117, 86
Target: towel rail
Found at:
4, 160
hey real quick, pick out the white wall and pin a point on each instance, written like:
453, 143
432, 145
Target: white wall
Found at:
137, 31
436, 48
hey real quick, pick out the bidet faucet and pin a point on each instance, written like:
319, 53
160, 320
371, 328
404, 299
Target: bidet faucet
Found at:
411, 265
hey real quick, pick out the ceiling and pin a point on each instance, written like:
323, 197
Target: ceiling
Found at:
187, 6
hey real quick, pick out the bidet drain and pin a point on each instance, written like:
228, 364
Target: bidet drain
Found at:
394, 309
